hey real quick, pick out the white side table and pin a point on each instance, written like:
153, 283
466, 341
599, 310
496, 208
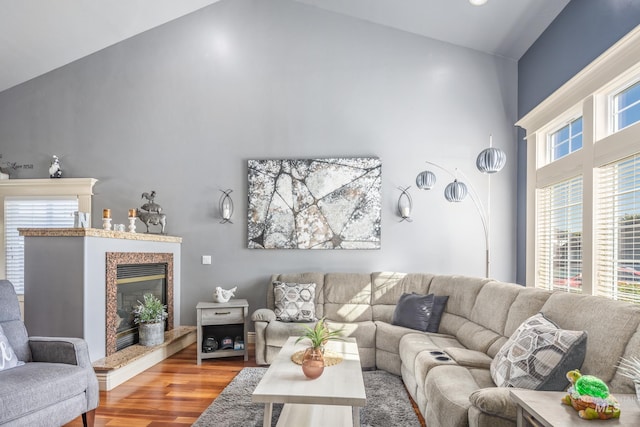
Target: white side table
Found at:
543, 409
221, 320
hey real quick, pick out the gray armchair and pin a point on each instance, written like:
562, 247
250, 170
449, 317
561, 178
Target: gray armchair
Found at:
55, 385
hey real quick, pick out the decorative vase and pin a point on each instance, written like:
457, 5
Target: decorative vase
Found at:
151, 334
312, 363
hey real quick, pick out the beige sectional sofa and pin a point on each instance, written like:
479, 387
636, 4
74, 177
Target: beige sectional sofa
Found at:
480, 316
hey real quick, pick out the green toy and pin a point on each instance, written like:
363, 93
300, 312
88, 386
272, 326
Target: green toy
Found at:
590, 396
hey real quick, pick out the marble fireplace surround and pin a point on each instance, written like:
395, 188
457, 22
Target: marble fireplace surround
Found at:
113, 259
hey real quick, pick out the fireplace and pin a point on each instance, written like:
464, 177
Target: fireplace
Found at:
133, 282
129, 275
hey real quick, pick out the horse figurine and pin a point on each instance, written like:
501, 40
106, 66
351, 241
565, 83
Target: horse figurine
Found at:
152, 218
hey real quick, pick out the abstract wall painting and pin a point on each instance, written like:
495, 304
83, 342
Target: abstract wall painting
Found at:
332, 203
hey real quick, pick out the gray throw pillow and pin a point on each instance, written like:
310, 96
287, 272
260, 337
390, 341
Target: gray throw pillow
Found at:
413, 311
8, 358
295, 302
538, 355
439, 302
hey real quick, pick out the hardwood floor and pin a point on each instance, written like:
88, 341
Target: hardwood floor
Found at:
172, 393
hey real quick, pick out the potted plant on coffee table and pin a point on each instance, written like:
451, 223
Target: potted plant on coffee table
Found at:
150, 316
313, 359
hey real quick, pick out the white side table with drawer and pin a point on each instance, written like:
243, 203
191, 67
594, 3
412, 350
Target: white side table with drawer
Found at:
221, 320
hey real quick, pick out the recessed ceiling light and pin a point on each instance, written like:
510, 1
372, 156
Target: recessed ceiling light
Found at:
477, 2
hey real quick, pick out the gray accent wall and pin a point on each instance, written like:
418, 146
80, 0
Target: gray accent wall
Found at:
582, 31
181, 108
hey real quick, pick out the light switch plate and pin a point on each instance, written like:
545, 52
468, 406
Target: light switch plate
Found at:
206, 259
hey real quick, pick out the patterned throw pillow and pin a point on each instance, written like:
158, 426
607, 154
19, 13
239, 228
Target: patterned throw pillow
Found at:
538, 355
8, 358
295, 302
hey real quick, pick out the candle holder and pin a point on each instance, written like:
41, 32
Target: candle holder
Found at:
405, 204
106, 224
226, 206
132, 224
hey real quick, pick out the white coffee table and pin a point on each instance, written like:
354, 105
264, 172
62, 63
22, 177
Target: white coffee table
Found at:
333, 399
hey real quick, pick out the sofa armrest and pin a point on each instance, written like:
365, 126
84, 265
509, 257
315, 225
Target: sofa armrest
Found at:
469, 358
263, 315
72, 351
495, 401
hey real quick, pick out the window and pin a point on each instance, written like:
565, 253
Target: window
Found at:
566, 140
583, 180
29, 212
626, 107
618, 230
560, 236
78, 189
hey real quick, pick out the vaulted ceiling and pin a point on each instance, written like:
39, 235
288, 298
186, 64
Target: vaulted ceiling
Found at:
37, 36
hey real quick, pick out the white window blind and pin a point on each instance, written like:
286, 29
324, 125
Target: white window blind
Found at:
559, 232
28, 212
618, 230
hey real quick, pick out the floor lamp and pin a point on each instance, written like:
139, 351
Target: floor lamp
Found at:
489, 161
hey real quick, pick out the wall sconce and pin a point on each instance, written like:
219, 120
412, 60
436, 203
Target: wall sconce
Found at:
405, 204
226, 206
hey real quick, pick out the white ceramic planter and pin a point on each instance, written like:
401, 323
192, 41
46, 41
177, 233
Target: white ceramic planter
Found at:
151, 334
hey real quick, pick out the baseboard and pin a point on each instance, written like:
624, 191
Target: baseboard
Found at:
251, 337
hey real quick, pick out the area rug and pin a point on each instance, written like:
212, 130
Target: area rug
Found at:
388, 403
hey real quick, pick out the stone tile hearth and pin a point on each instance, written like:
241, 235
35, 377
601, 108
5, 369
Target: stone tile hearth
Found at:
127, 363
130, 354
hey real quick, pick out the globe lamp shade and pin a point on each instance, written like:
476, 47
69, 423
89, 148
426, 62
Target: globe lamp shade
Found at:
426, 180
491, 160
456, 191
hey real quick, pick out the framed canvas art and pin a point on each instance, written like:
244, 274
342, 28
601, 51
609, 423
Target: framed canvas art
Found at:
332, 203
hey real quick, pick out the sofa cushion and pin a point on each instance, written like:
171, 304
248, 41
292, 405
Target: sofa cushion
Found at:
538, 355
294, 302
413, 311
610, 325
389, 286
8, 358
492, 305
34, 386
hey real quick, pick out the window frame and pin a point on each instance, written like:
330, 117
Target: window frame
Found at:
589, 94
612, 115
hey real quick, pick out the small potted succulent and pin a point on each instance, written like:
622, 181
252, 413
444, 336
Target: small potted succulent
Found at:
630, 368
150, 316
313, 359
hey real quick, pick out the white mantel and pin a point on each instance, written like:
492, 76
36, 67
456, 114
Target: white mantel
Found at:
65, 280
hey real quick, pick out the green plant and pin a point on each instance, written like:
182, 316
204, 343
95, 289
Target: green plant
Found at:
319, 334
630, 368
150, 311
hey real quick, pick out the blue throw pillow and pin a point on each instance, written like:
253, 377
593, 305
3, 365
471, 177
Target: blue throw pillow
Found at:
8, 358
413, 311
439, 302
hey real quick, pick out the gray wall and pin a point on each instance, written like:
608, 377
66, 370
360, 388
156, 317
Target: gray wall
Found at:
581, 32
181, 108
